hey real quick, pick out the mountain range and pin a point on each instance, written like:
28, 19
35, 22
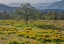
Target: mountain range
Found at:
4, 7
34, 5
59, 6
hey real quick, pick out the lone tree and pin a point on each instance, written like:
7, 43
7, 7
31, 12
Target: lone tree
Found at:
26, 11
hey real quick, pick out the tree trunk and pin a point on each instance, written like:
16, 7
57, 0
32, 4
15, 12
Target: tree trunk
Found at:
26, 21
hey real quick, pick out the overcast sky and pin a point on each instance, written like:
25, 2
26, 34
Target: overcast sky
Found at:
26, 1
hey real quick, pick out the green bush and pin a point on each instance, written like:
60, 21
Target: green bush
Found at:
14, 43
47, 26
18, 26
47, 40
57, 40
33, 38
21, 35
11, 32
27, 36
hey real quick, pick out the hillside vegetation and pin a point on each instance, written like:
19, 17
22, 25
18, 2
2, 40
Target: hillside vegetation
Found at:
35, 32
28, 25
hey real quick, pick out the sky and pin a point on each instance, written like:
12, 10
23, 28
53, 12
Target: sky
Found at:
27, 1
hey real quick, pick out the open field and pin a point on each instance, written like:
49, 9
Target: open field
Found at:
35, 32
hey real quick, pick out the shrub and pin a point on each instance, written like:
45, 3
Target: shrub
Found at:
32, 38
47, 26
27, 36
18, 26
21, 35
14, 43
47, 40
57, 40
11, 32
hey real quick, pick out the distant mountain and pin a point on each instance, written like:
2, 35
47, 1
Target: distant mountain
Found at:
43, 4
4, 7
45, 7
38, 5
15, 4
52, 10
57, 5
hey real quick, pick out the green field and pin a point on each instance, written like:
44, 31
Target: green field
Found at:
34, 32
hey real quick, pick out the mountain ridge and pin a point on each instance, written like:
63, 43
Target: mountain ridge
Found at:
35, 5
4, 7
57, 5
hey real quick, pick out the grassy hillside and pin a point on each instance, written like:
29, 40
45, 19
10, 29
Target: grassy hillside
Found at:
35, 32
